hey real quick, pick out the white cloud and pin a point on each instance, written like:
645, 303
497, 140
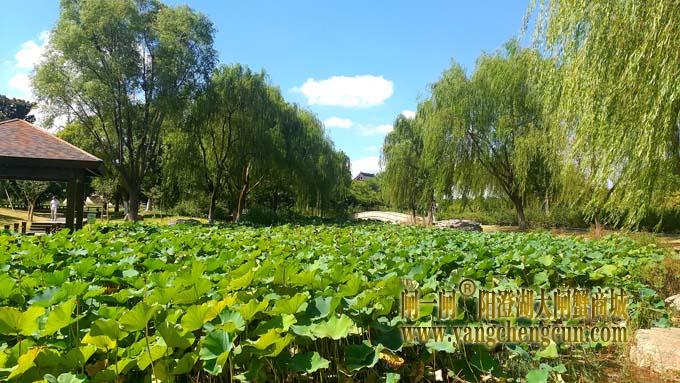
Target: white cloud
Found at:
367, 164
372, 148
31, 52
408, 114
356, 91
372, 130
21, 83
337, 122
27, 57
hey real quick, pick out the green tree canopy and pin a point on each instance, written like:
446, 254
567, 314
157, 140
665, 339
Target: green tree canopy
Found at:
122, 68
406, 183
484, 131
241, 135
11, 108
615, 96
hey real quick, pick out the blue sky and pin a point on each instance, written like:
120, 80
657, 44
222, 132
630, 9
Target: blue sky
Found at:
356, 64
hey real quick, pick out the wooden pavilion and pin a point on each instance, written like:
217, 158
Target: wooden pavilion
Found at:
28, 152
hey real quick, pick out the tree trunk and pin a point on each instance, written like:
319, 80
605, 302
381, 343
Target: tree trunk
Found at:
430, 213
275, 200
598, 225
318, 202
31, 207
244, 192
519, 208
133, 205
8, 199
211, 208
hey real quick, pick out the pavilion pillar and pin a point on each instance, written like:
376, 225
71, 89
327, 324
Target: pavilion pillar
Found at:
70, 203
80, 200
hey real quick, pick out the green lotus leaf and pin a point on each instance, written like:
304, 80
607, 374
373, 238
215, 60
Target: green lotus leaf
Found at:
174, 337
242, 282
358, 356
541, 278
351, 288
154, 352
607, 270
66, 377
291, 305
251, 308
303, 330
232, 321
104, 376
93, 292
124, 365
447, 347
185, 364
7, 284
196, 316
321, 307
49, 359
24, 362
122, 296
335, 328
57, 277
59, 317
101, 341
215, 349
280, 322
550, 352
16, 322
309, 362
304, 278
273, 341
77, 357
388, 336
538, 376
110, 312
197, 291
137, 318
108, 327
70, 290
163, 295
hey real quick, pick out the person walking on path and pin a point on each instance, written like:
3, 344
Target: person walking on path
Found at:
54, 205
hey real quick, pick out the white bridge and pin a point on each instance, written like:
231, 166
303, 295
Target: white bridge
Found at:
387, 216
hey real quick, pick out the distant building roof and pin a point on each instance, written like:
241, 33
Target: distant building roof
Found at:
364, 176
21, 139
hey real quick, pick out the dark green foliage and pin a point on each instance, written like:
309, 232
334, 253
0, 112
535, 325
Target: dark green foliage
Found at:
365, 195
11, 108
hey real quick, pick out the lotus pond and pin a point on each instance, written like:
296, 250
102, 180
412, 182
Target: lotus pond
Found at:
132, 303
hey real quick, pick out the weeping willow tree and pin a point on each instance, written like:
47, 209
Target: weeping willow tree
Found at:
227, 123
615, 95
322, 174
242, 144
486, 131
405, 181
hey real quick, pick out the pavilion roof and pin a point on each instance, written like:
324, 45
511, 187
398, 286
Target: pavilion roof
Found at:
19, 139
